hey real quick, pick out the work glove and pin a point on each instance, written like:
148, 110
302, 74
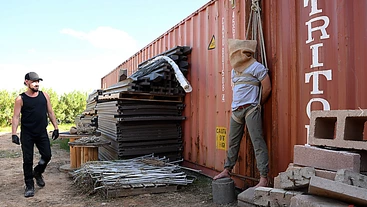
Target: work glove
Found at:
55, 134
15, 139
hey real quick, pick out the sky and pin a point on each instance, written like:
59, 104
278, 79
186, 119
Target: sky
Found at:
72, 44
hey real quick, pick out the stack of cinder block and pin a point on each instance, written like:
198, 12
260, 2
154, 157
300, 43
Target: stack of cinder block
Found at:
329, 171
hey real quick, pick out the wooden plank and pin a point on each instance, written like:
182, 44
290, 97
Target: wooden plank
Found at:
89, 144
95, 153
72, 157
86, 155
78, 156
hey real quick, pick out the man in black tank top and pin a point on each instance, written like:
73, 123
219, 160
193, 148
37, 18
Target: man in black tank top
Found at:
35, 107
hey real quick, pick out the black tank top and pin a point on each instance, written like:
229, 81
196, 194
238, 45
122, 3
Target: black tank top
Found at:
34, 114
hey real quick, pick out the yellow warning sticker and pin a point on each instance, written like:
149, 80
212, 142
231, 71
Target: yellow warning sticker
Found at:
212, 43
221, 141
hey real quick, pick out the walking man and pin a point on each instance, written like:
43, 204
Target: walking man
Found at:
251, 88
35, 107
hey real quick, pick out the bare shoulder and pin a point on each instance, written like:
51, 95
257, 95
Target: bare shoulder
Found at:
18, 98
46, 95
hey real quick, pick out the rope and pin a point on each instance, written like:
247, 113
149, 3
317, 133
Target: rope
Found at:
255, 23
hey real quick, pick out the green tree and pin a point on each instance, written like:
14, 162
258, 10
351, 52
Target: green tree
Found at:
73, 104
66, 107
6, 103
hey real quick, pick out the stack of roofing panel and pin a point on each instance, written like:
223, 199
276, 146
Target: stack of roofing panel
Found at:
143, 114
138, 128
89, 116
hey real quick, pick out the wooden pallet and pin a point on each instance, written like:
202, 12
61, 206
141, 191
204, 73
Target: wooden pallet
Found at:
137, 189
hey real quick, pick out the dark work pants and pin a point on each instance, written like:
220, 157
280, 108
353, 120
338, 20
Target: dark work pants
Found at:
42, 143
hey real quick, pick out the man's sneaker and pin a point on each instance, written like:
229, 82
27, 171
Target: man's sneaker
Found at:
29, 191
39, 179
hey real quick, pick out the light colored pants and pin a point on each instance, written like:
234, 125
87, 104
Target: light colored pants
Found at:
254, 126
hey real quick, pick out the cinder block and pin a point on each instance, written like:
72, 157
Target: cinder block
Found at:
325, 174
363, 154
338, 128
315, 201
351, 178
326, 159
273, 197
336, 190
295, 177
277, 182
319, 173
247, 196
245, 204
262, 195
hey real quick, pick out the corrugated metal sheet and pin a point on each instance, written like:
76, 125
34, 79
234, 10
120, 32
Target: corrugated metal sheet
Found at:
312, 68
321, 69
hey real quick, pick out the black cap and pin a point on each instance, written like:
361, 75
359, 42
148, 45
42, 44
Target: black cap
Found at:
32, 76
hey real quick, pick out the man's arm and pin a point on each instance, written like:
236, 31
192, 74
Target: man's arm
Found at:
50, 112
16, 115
266, 89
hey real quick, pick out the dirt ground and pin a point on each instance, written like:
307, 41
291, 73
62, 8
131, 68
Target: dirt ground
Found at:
60, 190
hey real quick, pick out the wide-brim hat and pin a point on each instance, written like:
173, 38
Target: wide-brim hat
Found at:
240, 53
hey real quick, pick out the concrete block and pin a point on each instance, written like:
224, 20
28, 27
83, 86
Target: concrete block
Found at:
319, 173
326, 159
325, 174
290, 194
277, 182
351, 178
295, 177
277, 198
315, 201
262, 195
338, 128
363, 154
273, 197
337, 190
245, 204
247, 196
223, 191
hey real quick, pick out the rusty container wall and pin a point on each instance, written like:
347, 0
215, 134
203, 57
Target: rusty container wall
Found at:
317, 55
309, 70
208, 106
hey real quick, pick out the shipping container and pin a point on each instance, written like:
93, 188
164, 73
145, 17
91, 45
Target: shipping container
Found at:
316, 58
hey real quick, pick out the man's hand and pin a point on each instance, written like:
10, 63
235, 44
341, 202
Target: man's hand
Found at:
55, 134
15, 139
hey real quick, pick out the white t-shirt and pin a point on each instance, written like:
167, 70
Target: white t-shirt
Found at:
246, 93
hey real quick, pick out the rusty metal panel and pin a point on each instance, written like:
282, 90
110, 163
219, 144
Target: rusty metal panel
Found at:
310, 69
208, 106
316, 51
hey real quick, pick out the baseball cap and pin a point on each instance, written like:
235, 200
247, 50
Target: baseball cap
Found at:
32, 76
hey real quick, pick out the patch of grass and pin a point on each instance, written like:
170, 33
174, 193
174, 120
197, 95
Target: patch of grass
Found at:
63, 143
62, 127
9, 154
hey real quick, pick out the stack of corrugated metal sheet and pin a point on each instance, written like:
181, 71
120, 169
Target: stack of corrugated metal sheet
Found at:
140, 127
89, 115
143, 114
